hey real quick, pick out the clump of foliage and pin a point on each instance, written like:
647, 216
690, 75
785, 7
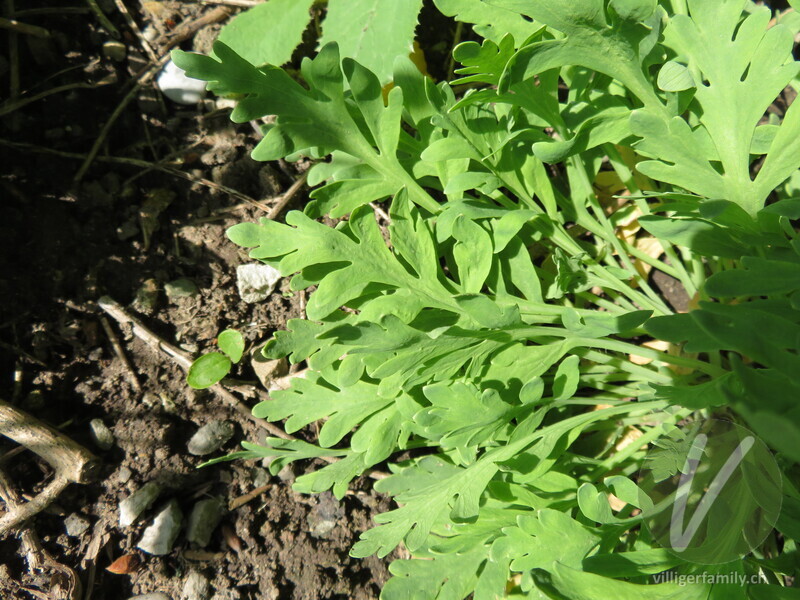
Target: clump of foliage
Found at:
370, 31
504, 332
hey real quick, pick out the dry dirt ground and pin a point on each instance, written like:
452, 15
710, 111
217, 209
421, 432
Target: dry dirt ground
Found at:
127, 229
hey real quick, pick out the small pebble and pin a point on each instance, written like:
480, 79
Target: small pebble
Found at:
256, 281
203, 520
153, 596
210, 438
114, 50
196, 587
180, 288
261, 477
138, 502
76, 525
175, 85
124, 475
325, 515
101, 435
160, 536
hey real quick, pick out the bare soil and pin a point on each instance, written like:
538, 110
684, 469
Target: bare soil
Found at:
64, 244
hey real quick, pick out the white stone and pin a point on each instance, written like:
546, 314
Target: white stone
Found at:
196, 587
159, 537
256, 281
101, 435
76, 525
137, 503
175, 85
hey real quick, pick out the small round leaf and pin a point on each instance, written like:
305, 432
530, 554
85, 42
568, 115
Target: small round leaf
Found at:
208, 370
231, 343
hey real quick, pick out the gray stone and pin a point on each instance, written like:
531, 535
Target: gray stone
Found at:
196, 587
325, 515
180, 288
153, 596
124, 474
160, 536
261, 477
256, 281
76, 525
101, 435
211, 437
203, 520
138, 502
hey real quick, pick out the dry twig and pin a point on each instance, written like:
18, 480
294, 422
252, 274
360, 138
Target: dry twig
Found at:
71, 461
244, 499
121, 354
135, 162
134, 27
36, 555
287, 197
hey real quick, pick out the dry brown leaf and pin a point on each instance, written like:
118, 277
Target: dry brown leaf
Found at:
125, 564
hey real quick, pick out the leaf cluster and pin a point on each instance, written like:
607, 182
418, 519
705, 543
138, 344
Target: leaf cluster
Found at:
502, 329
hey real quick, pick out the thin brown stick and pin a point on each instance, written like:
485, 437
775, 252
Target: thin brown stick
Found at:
24, 28
244, 499
116, 311
135, 162
35, 553
71, 461
287, 197
16, 516
118, 350
186, 30
134, 27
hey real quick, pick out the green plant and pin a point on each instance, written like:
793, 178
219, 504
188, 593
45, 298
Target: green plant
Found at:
504, 330
370, 31
212, 368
